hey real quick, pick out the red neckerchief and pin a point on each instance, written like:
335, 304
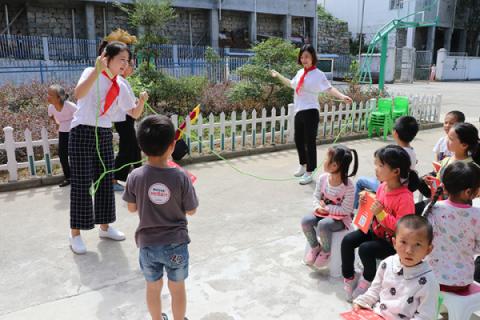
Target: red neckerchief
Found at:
112, 93
302, 78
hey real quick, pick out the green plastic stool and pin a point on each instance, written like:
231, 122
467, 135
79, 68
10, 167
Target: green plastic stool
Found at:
381, 118
400, 107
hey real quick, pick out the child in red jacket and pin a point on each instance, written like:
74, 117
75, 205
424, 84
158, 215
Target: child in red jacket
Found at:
393, 201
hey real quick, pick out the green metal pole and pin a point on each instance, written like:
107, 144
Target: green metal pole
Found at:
383, 61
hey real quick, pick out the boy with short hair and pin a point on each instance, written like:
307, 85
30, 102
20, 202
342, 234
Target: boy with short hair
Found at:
405, 130
405, 286
164, 196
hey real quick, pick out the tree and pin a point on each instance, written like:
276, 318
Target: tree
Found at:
324, 15
471, 14
150, 16
277, 54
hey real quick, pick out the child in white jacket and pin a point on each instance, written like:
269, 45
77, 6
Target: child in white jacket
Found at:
405, 286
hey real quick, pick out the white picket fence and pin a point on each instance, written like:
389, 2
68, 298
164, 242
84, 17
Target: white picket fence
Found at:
241, 131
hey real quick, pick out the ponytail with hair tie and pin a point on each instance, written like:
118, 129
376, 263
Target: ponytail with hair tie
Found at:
435, 198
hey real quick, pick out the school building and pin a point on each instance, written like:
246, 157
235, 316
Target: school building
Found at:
199, 22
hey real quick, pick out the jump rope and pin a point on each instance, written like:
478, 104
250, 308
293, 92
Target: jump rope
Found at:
105, 172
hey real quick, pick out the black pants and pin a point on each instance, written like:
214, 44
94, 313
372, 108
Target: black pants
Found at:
129, 151
306, 129
370, 248
86, 169
63, 153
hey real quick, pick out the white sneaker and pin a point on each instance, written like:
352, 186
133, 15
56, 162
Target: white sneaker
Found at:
300, 171
77, 245
306, 179
111, 233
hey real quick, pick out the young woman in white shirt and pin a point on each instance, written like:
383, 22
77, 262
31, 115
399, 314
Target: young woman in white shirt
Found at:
308, 83
101, 94
61, 111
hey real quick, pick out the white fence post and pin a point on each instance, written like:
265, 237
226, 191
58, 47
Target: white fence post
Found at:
233, 128
46, 151
254, 128
188, 134
222, 131
244, 128
264, 126
200, 133
211, 131
273, 123
438, 107
290, 123
30, 153
10, 148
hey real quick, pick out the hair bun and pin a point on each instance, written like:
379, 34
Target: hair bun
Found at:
121, 36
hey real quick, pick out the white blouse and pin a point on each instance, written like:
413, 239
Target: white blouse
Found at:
315, 82
89, 105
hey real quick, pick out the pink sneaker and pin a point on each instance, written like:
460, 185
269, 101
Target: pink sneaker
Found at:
311, 255
322, 259
348, 285
362, 287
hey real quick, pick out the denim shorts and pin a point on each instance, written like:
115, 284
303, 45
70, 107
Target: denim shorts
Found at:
174, 257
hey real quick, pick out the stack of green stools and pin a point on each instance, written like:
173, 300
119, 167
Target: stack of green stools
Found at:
381, 118
400, 107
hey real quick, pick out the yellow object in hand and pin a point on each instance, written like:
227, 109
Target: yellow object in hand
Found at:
381, 215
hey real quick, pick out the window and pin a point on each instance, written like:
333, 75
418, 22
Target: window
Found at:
396, 4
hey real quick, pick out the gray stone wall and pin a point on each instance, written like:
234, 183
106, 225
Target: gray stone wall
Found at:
269, 25
55, 22
177, 31
19, 25
233, 20
333, 37
114, 17
298, 26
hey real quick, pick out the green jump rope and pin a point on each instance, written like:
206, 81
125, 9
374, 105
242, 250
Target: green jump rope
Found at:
105, 172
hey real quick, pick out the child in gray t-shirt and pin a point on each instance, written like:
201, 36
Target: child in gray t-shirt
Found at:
163, 197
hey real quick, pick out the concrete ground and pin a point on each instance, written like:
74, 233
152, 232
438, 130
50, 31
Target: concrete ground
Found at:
463, 96
455, 95
245, 252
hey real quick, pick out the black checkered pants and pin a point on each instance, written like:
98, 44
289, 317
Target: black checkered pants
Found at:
85, 169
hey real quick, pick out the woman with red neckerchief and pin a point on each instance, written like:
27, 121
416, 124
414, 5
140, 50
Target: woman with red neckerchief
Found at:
308, 83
